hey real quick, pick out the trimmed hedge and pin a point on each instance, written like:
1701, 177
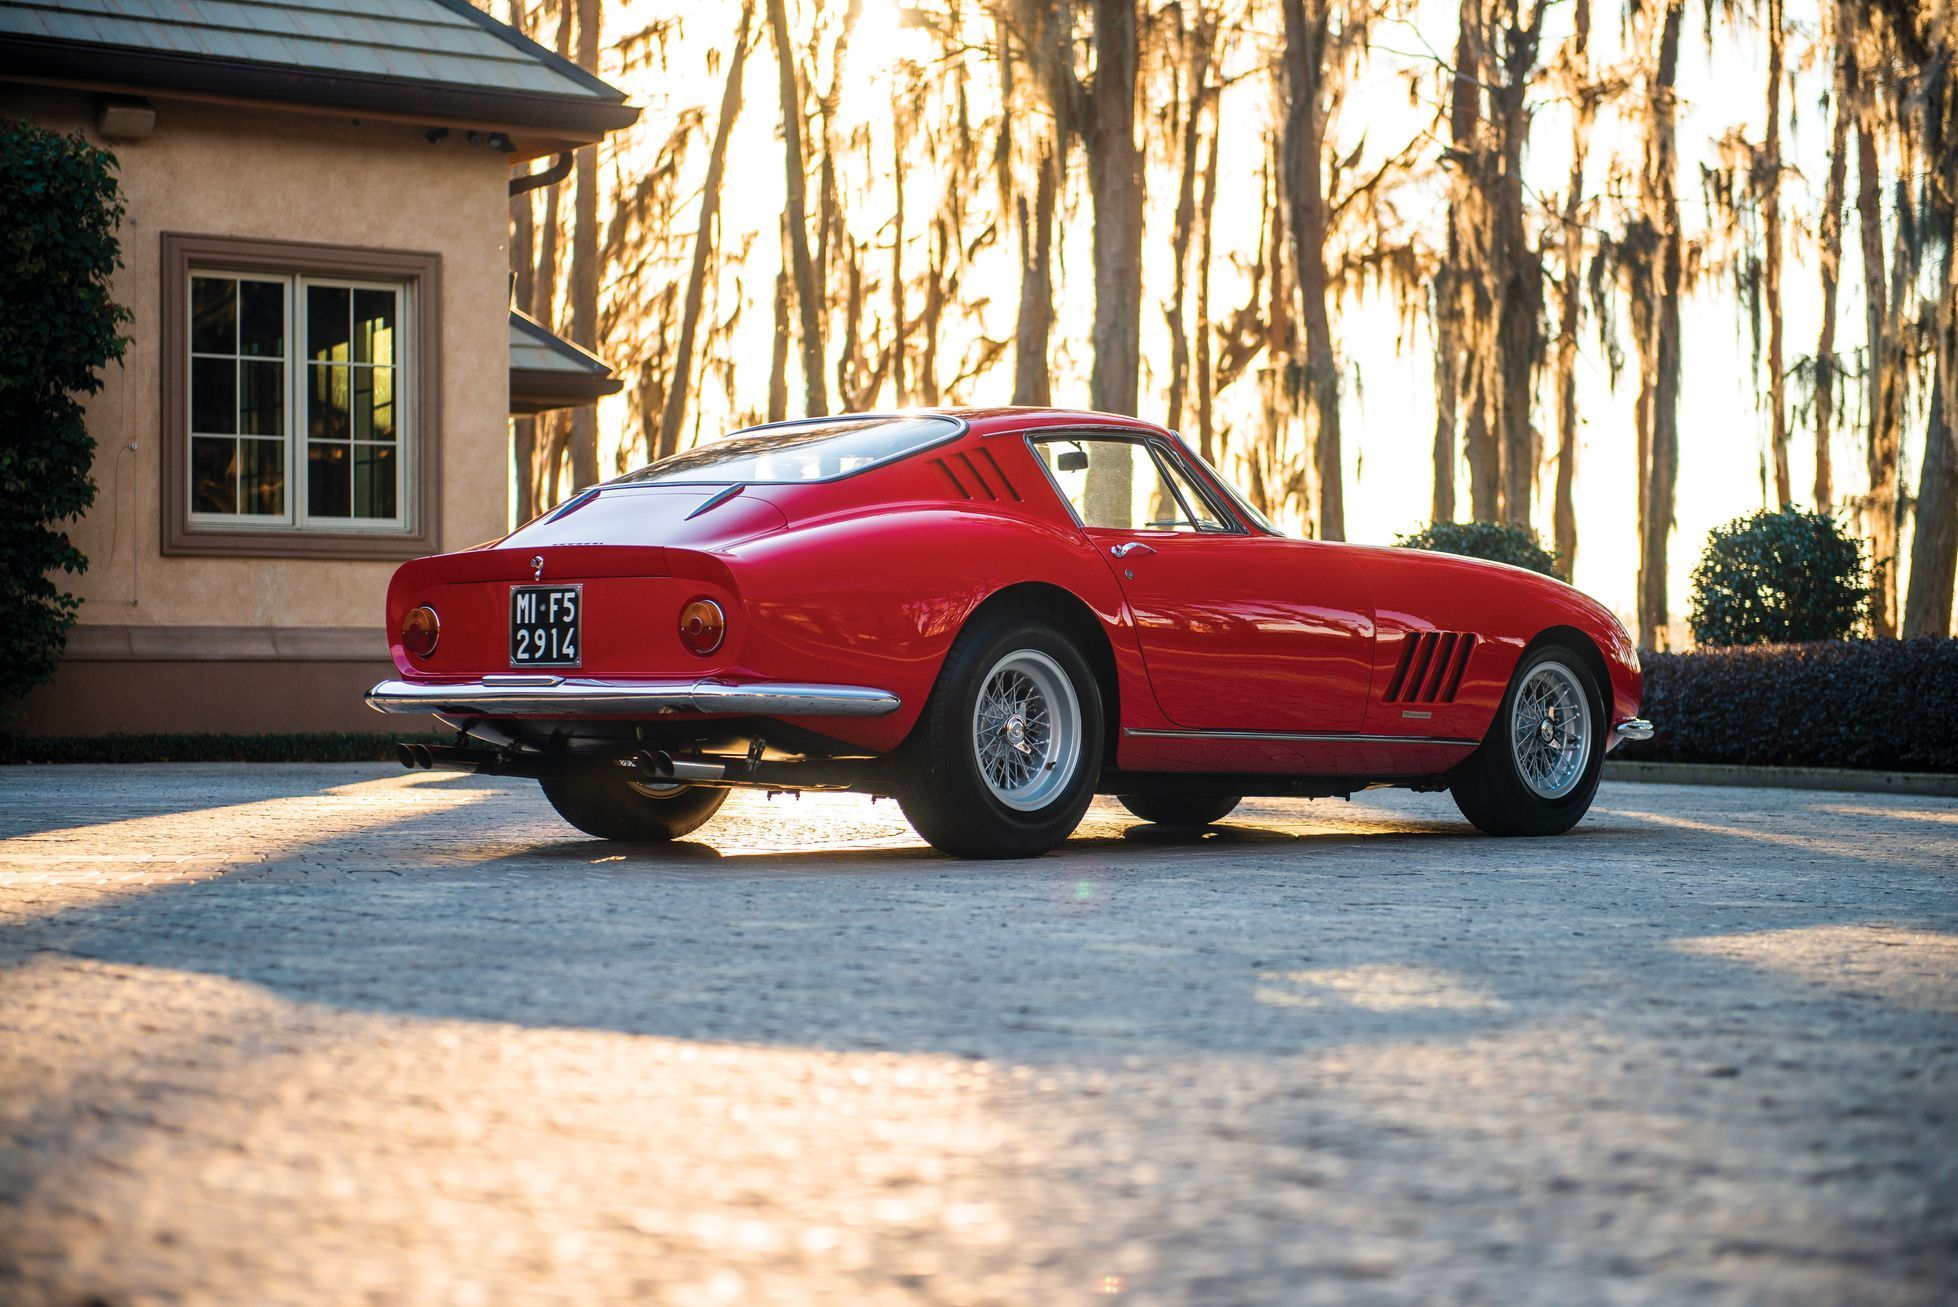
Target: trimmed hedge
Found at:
1881, 705
325, 746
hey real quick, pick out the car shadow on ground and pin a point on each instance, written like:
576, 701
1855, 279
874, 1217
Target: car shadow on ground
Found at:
1240, 938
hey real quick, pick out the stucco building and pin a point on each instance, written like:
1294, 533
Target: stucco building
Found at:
324, 359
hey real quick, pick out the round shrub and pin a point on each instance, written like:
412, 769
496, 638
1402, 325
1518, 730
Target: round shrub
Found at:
1779, 578
1499, 542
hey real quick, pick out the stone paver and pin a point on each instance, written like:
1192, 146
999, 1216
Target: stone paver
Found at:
330, 1035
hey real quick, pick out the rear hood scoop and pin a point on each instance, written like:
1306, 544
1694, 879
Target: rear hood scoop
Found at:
687, 516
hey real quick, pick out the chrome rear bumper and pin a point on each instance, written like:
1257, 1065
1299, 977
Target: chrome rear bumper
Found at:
1633, 728
563, 696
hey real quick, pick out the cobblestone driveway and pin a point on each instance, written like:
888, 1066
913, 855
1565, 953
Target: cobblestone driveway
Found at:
325, 1035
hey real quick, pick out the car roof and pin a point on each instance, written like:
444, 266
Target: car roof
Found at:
1005, 419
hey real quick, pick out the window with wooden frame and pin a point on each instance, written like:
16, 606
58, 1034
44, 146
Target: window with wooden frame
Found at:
300, 399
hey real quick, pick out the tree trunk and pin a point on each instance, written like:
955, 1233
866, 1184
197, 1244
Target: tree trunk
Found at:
1886, 399
1831, 242
899, 338
796, 210
1464, 110
703, 242
937, 261
1305, 145
1207, 444
1520, 324
1115, 178
1480, 432
1934, 545
778, 362
541, 304
1770, 188
1659, 400
1267, 487
1447, 383
1031, 381
523, 430
523, 285
584, 265
1570, 299
1477, 281
1196, 71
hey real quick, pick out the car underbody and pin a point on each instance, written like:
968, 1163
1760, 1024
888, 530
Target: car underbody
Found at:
775, 755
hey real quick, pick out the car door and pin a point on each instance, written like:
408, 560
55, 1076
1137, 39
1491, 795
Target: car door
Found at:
1239, 630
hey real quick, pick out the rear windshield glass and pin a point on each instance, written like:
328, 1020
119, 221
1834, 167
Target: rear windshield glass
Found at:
806, 451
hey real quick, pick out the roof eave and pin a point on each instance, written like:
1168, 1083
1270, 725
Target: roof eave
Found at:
539, 391
559, 118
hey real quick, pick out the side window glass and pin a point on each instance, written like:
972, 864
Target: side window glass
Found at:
1192, 500
1124, 485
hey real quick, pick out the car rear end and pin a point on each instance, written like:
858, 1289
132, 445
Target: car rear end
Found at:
615, 625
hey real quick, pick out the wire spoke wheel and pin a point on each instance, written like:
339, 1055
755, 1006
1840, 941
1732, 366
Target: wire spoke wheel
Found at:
1550, 730
1026, 730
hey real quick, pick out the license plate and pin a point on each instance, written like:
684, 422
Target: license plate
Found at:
544, 625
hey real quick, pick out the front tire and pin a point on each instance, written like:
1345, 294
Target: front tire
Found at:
1180, 809
621, 808
1004, 759
1537, 770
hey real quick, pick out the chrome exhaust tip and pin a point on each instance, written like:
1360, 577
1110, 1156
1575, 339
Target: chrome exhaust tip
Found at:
423, 758
661, 766
406, 754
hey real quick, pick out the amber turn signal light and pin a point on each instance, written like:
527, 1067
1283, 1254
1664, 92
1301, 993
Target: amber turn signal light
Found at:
702, 626
420, 629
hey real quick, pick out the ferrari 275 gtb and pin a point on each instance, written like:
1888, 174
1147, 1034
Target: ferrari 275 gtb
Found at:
991, 616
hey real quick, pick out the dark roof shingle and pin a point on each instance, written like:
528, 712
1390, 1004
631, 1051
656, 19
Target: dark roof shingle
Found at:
445, 56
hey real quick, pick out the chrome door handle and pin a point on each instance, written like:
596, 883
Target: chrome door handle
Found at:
1128, 547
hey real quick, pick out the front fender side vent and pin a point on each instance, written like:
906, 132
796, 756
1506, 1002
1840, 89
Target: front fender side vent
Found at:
1430, 667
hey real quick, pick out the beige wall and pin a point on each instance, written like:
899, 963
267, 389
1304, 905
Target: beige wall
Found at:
268, 174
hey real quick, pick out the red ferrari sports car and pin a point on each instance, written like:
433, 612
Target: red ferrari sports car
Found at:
991, 616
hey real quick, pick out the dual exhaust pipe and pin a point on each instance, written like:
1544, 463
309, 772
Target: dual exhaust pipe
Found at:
658, 766
442, 757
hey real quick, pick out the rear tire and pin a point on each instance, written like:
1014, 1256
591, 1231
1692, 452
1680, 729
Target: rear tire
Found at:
621, 808
1004, 759
1537, 770
1179, 809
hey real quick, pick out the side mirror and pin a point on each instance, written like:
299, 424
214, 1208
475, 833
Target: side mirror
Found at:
1072, 460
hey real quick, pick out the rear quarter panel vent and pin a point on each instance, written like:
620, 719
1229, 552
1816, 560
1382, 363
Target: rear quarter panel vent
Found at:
1430, 667
976, 476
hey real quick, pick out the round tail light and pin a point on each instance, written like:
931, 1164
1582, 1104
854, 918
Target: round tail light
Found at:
420, 629
702, 626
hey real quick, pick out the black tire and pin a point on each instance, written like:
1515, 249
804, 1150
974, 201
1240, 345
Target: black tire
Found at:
942, 790
620, 808
1490, 787
1180, 809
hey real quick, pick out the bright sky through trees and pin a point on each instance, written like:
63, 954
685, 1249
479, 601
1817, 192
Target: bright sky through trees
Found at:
892, 108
